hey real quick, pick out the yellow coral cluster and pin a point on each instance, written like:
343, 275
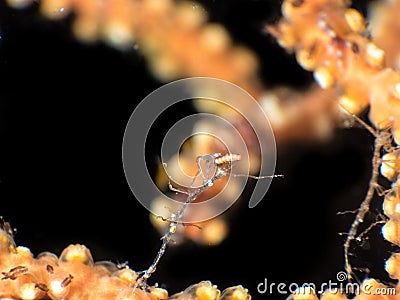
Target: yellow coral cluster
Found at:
390, 168
74, 275
329, 38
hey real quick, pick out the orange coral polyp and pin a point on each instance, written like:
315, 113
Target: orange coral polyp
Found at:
327, 38
74, 276
385, 99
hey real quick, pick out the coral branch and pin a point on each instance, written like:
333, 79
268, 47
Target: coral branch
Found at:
222, 170
365, 205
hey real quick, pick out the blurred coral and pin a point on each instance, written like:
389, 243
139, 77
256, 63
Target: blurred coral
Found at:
175, 37
178, 42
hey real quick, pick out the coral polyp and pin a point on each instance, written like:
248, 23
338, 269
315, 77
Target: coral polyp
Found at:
75, 275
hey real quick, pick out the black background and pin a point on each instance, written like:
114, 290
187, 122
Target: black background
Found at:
64, 106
